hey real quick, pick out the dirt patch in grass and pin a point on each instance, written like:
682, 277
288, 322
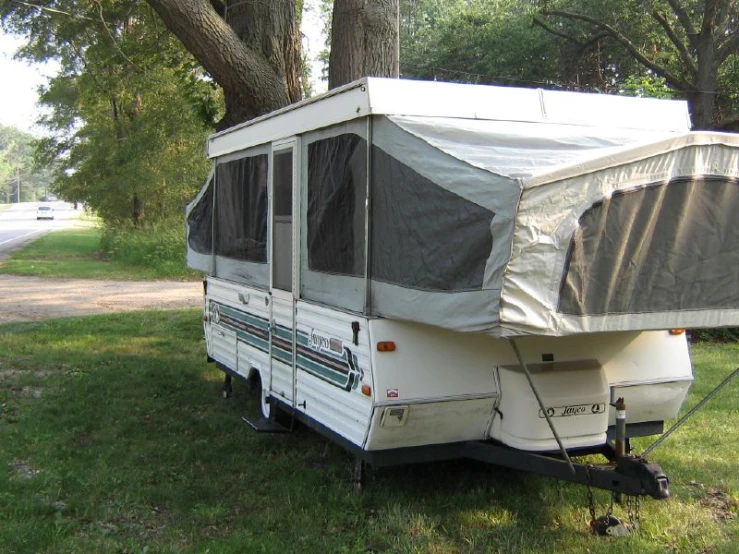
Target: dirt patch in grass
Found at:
721, 505
21, 469
33, 298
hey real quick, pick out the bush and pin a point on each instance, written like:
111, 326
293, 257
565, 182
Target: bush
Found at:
724, 334
160, 247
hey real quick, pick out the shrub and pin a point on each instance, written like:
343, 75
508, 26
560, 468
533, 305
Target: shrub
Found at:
160, 247
724, 334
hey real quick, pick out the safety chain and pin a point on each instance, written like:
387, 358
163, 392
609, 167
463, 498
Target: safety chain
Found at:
608, 524
591, 501
632, 509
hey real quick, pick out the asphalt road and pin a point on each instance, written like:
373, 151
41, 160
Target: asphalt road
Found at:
18, 223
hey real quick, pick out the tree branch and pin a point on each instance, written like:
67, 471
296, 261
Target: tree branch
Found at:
671, 78
730, 35
684, 19
727, 47
110, 34
245, 74
675, 40
595, 38
556, 32
709, 16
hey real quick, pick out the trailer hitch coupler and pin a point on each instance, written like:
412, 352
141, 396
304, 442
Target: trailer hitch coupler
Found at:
653, 480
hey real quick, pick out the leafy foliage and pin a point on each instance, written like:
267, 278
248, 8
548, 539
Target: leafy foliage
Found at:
725, 334
129, 110
158, 247
690, 45
661, 48
479, 41
17, 166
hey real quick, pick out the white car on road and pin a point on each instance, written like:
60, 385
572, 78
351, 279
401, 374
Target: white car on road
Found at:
45, 212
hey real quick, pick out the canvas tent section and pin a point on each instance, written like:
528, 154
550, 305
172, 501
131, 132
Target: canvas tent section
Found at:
227, 221
199, 228
334, 217
646, 239
484, 209
444, 197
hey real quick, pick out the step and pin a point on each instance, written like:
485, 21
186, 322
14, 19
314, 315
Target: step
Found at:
261, 425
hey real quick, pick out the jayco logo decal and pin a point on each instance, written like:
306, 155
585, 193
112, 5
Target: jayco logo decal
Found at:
580, 409
320, 342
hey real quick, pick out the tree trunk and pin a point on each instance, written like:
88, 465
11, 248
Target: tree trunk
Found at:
253, 54
703, 98
364, 40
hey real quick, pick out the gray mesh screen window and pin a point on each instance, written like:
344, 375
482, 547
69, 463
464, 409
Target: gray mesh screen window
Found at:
337, 184
241, 209
200, 223
424, 236
666, 247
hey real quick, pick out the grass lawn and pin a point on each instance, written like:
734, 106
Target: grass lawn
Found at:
114, 438
75, 253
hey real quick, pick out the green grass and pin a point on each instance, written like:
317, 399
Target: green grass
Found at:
113, 438
77, 253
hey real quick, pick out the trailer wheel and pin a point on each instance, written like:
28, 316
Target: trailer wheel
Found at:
266, 410
259, 394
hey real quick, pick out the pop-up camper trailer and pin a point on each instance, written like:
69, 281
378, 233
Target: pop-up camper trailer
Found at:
426, 271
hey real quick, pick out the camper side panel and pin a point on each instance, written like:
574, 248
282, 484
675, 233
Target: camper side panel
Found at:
437, 386
237, 330
333, 367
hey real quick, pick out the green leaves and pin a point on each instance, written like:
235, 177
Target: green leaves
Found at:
128, 112
17, 164
480, 41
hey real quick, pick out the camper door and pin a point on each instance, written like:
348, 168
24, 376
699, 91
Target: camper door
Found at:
284, 174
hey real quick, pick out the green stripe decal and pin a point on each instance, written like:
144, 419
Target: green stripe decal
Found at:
338, 370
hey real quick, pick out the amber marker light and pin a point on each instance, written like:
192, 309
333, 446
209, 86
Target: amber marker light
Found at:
677, 331
386, 346
205, 317
366, 390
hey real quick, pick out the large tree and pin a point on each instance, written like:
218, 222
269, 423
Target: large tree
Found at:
364, 40
20, 178
691, 44
252, 49
128, 111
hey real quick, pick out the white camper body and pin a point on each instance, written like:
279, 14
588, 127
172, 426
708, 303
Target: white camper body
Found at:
371, 254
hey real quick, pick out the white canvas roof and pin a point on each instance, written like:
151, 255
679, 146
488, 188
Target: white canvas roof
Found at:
375, 96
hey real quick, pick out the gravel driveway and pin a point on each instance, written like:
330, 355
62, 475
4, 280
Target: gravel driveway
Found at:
33, 298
